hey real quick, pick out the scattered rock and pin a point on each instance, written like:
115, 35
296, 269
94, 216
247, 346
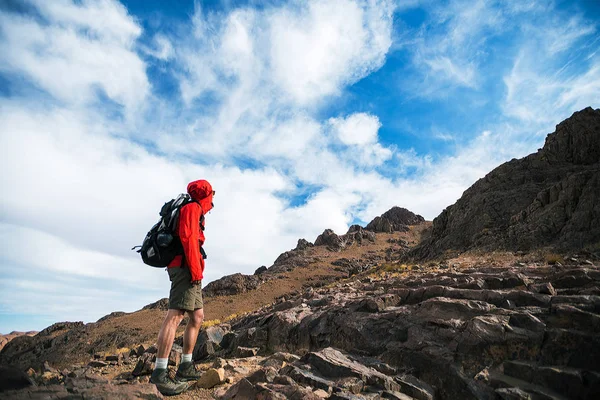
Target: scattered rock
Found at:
97, 364
209, 342
144, 365
211, 378
243, 352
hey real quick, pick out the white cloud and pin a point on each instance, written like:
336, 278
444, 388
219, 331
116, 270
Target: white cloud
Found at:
317, 49
81, 49
463, 75
106, 19
447, 51
161, 48
359, 128
547, 82
301, 51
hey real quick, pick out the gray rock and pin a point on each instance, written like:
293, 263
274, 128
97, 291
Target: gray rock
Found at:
144, 365
208, 342
231, 285
242, 352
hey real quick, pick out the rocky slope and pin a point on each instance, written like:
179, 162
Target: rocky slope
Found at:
522, 331
550, 198
503, 326
68, 344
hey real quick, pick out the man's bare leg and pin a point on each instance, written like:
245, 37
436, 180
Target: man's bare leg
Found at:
191, 330
167, 332
186, 370
166, 336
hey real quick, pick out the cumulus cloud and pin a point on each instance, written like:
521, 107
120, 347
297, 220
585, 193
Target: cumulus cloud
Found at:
75, 50
357, 128
318, 48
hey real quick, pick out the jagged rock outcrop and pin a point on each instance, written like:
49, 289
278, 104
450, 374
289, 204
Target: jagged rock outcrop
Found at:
549, 198
356, 234
113, 314
471, 333
4, 339
25, 351
231, 284
396, 219
303, 244
352, 266
162, 304
330, 239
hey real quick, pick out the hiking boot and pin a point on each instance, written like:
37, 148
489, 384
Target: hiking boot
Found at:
187, 372
165, 385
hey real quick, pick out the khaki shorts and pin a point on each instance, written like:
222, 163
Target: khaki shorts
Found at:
184, 295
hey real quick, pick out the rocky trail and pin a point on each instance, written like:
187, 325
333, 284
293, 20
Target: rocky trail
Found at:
444, 331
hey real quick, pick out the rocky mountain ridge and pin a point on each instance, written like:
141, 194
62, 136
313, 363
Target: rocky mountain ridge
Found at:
549, 198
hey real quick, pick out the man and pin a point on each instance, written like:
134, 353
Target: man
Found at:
185, 274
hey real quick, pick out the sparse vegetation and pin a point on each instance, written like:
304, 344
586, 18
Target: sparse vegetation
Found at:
391, 267
211, 322
553, 258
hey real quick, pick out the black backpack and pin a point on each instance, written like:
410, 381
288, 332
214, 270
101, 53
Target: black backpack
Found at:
162, 243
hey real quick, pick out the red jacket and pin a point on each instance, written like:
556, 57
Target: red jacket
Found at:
190, 232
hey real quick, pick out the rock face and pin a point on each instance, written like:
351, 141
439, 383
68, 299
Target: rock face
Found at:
4, 339
333, 242
25, 351
397, 219
550, 198
231, 284
473, 333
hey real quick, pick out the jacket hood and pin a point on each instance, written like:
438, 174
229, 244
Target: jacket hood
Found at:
202, 192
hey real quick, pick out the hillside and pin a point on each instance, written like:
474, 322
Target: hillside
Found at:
499, 298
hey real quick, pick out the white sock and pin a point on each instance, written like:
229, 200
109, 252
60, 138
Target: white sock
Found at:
186, 358
161, 363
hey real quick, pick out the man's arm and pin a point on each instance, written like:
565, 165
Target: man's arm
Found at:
189, 233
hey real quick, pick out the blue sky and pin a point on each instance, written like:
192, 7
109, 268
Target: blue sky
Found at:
303, 116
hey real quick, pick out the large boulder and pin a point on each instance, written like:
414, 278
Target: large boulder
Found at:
330, 239
355, 235
231, 284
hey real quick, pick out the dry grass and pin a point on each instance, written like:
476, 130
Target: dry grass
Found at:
553, 258
391, 267
211, 322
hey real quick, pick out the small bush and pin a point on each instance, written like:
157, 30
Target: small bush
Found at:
211, 322
553, 258
394, 267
